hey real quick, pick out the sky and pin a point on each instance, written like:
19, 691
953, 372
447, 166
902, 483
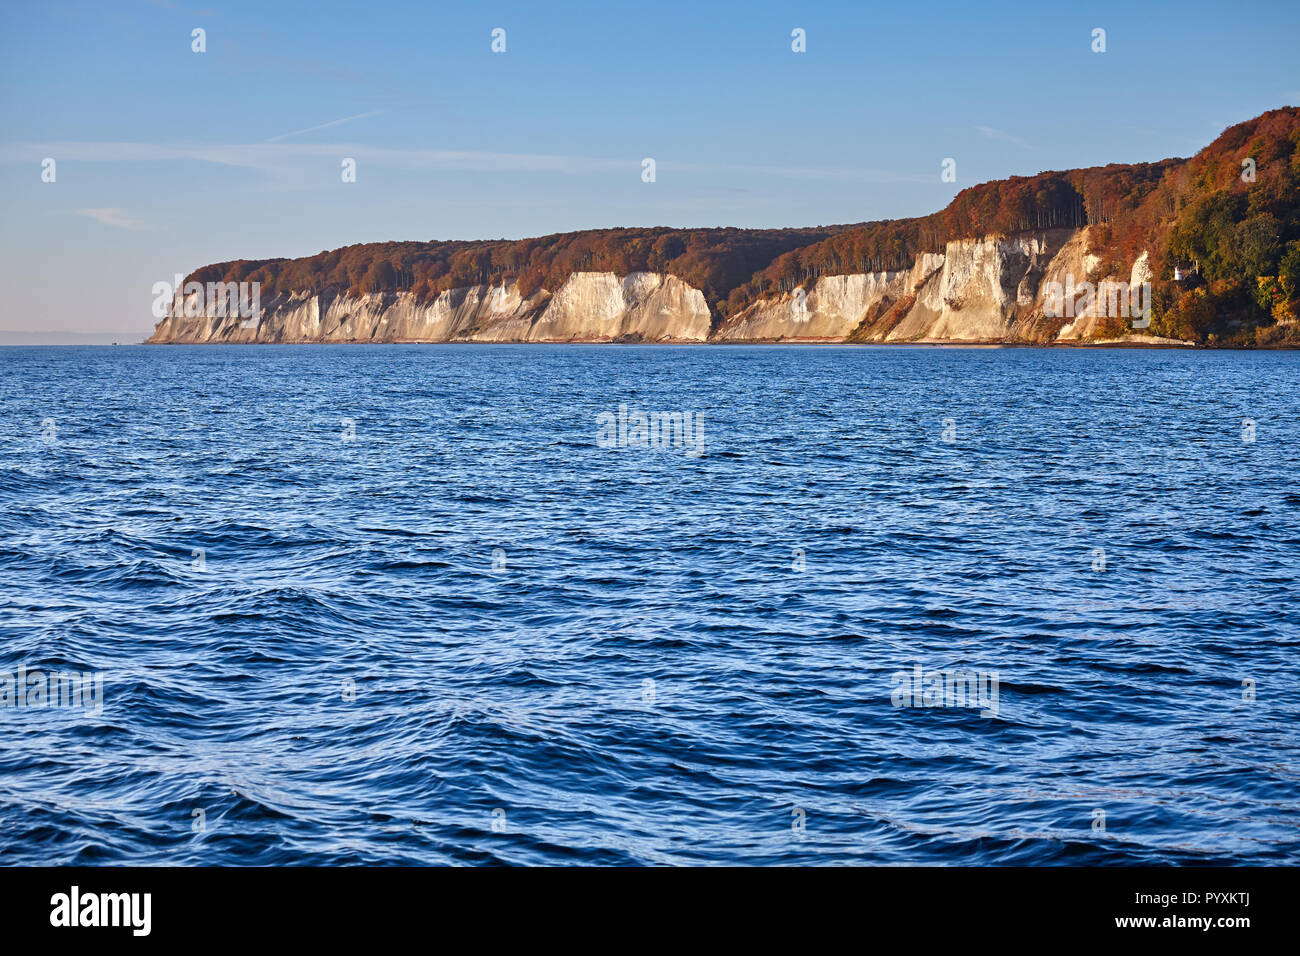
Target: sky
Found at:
167, 159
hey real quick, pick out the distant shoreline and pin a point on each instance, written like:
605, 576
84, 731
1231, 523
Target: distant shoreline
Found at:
757, 343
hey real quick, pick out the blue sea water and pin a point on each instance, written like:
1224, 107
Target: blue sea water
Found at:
398, 605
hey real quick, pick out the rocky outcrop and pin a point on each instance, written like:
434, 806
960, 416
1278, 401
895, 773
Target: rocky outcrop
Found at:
589, 307
644, 306
829, 312
983, 291
991, 289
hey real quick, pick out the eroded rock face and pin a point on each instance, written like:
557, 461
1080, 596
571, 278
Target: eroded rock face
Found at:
1071, 266
984, 287
830, 311
601, 307
589, 307
978, 290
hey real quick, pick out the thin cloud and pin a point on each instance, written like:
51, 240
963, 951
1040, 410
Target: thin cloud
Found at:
991, 133
278, 159
272, 157
112, 216
312, 129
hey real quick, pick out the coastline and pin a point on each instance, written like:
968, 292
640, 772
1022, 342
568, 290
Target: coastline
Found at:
1163, 345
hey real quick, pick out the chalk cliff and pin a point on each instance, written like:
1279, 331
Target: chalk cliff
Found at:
978, 290
588, 307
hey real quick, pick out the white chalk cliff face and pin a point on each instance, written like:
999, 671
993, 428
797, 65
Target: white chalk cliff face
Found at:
977, 290
589, 307
601, 307
983, 288
830, 311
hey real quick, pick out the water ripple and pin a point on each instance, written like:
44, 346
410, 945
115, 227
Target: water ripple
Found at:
473, 636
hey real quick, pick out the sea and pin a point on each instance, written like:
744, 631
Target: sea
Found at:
648, 605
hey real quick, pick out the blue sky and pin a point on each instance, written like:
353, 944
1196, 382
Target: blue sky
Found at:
169, 159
